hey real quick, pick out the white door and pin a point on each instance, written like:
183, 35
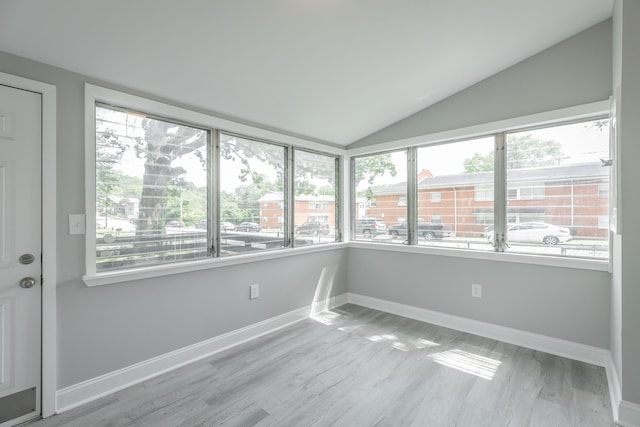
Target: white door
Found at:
20, 255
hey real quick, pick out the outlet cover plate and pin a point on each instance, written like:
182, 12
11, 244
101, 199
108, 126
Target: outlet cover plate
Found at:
476, 290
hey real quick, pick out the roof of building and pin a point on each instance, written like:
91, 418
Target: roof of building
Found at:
546, 174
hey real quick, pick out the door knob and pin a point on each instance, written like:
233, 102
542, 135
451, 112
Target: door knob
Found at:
27, 282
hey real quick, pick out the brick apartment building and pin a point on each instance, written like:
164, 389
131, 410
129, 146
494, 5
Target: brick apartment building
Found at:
575, 196
307, 208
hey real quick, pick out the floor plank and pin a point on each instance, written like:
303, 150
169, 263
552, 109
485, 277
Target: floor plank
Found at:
355, 366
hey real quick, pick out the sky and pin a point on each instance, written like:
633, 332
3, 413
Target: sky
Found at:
581, 143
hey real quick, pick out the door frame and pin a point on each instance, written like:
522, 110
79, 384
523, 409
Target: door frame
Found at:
49, 278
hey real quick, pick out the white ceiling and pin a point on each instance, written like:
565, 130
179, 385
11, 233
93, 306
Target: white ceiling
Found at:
331, 70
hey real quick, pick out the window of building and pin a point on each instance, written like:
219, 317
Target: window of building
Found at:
316, 188
381, 179
402, 200
435, 196
603, 190
483, 193
525, 192
603, 222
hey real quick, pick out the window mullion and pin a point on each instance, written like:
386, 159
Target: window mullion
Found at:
412, 195
500, 193
213, 203
289, 205
338, 201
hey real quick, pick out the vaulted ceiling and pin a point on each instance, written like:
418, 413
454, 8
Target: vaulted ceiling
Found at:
329, 70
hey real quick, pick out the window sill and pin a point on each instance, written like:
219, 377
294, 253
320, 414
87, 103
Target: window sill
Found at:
551, 261
113, 277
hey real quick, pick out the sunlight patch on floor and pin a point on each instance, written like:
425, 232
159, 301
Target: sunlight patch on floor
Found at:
470, 363
325, 317
397, 343
422, 343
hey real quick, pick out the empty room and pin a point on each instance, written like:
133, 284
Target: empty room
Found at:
319, 213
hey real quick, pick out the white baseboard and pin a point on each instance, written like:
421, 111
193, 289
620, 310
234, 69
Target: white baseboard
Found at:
615, 392
625, 413
580, 352
628, 414
87, 391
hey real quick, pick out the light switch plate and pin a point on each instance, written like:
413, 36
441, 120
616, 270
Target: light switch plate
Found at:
77, 224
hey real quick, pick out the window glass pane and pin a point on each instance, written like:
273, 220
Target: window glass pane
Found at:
252, 207
560, 190
151, 190
315, 190
380, 183
455, 194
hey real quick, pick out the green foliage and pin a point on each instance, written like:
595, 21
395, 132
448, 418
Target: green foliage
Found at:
479, 163
185, 202
368, 168
109, 151
523, 151
241, 205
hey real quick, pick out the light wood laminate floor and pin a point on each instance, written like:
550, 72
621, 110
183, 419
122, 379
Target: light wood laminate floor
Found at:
355, 366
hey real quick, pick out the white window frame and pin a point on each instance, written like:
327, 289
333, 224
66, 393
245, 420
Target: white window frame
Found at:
583, 112
483, 193
96, 94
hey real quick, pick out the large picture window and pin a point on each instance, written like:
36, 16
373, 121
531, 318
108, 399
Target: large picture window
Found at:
555, 178
166, 187
315, 198
542, 191
462, 178
151, 190
380, 183
252, 204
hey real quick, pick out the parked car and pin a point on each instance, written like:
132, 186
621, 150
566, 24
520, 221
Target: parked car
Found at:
202, 224
426, 230
174, 223
227, 226
248, 226
370, 227
313, 228
535, 232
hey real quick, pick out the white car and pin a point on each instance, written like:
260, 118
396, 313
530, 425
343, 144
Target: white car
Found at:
535, 232
227, 226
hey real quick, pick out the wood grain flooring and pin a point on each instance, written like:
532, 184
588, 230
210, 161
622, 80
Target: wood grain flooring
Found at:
354, 366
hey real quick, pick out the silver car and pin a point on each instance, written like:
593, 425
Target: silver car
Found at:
535, 232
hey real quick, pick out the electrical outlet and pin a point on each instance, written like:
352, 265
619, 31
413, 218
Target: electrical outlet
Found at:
254, 291
476, 290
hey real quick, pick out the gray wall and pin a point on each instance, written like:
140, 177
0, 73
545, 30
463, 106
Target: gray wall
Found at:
626, 286
564, 303
110, 327
105, 328
574, 72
